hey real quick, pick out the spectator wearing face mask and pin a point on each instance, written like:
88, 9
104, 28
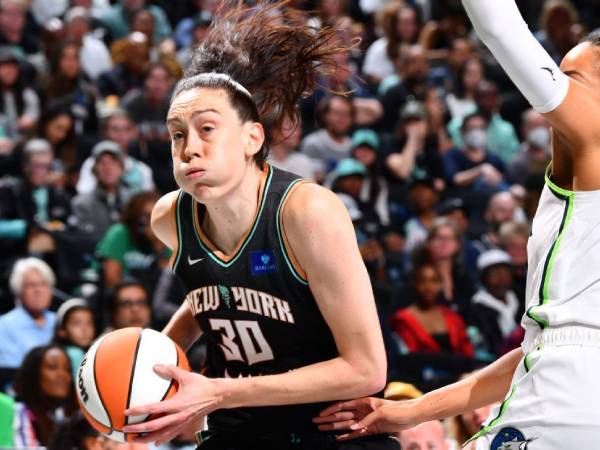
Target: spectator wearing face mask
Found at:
535, 154
473, 167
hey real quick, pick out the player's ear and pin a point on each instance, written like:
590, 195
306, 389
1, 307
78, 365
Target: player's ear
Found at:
255, 137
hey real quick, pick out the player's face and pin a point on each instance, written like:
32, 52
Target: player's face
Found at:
212, 148
55, 374
582, 63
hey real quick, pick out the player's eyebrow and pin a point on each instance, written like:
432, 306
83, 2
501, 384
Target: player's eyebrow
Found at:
573, 72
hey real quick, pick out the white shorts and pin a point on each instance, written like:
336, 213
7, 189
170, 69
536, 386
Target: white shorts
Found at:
554, 399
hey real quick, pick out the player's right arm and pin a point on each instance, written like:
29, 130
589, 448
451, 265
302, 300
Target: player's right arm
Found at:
182, 327
372, 415
567, 101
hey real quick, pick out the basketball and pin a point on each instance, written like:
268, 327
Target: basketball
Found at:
116, 374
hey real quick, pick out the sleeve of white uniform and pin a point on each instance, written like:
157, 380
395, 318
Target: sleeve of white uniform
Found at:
501, 27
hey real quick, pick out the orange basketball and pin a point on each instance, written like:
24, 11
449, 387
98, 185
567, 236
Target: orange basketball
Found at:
116, 373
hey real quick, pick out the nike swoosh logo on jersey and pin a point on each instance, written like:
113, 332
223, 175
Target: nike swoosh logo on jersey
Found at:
191, 261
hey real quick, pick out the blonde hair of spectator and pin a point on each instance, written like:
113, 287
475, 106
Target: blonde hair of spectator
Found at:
510, 229
551, 6
24, 265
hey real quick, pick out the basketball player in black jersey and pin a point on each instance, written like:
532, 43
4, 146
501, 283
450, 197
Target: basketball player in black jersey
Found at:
275, 280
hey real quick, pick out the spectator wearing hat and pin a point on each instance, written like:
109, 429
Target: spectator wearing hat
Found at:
93, 54
413, 150
472, 167
19, 105
137, 175
365, 149
283, 152
75, 330
31, 208
30, 323
94, 212
496, 308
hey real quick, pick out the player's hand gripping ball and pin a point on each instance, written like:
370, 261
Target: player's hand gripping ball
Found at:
116, 374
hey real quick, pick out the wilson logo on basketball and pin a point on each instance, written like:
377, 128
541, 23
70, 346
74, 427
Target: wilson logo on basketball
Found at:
82, 392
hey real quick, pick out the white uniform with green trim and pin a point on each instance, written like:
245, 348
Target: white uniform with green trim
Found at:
554, 400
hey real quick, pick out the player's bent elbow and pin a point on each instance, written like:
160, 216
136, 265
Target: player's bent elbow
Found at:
373, 380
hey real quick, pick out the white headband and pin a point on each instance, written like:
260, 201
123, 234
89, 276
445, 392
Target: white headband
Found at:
222, 76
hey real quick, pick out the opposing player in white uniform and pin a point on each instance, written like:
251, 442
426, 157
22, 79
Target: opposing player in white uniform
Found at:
549, 385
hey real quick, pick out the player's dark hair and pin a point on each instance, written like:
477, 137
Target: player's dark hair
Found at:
593, 38
270, 51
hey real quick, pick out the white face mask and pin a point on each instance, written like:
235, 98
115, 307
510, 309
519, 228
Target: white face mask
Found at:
475, 138
539, 137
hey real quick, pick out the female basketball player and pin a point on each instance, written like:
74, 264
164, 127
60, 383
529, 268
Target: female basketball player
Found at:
550, 384
275, 280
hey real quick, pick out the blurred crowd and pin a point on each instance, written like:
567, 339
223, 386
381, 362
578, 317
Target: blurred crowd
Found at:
437, 157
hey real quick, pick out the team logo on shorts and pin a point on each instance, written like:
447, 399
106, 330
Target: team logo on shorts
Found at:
510, 439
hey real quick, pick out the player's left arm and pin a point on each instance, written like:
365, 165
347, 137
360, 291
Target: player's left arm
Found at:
322, 239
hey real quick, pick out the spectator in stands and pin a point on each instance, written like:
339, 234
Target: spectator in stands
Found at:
13, 29
31, 208
137, 175
283, 152
67, 82
30, 323
413, 72
474, 168
76, 433
95, 211
447, 72
366, 150
19, 104
130, 247
45, 394
502, 140
57, 126
93, 55
497, 310
423, 199
128, 305
513, 240
400, 24
75, 330
131, 57
443, 249
426, 326
415, 149
456, 210
331, 142
426, 436
501, 208
118, 19
461, 100
556, 36
199, 27
148, 107
534, 156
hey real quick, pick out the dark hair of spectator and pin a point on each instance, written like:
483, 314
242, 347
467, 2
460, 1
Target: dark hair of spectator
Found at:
469, 117
325, 103
72, 433
421, 254
415, 274
551, 7
28, 390
273, 54
16, 88
113, 294
460, 89
390, 28
58, 83
134, 218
